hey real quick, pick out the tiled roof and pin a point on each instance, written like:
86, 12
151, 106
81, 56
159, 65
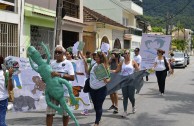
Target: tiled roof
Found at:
93, 16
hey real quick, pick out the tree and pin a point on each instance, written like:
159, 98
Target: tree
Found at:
157, 29
179, 28
192, 42
180, 44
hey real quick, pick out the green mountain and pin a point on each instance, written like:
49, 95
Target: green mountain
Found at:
155, 11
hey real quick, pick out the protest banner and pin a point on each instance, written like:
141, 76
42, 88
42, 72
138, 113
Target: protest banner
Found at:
149, 45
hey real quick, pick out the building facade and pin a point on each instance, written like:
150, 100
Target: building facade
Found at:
10, 27
123, 12
101, 29
39, 24
186, 35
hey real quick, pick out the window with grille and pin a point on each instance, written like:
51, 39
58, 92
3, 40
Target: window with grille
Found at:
8, 5
72, 8
9, 44
41, 34
127, 44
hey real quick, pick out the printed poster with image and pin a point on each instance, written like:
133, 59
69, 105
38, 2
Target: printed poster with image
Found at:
149, 45
100, 72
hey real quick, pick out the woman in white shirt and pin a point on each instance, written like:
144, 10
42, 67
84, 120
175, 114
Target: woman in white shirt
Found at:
161, 72
98, 87
126, 68
4, 92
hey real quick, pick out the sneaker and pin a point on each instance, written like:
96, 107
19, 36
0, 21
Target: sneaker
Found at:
10, 107
162, 94
111, 107
115, 110
124, 114
134, 110
85, 112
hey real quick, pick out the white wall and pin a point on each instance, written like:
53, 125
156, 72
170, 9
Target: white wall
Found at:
10, 17
134, 40
106, 8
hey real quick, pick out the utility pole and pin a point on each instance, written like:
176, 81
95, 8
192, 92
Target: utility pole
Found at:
167, 23
58, 24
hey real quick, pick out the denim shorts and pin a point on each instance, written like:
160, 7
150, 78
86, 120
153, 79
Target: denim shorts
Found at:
3, 109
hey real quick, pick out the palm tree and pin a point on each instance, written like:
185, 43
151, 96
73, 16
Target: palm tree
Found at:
179, 28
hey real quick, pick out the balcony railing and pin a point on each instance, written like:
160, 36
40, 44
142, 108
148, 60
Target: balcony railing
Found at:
133, 31
71, 8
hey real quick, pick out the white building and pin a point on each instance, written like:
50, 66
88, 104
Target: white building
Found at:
123, 12
10, 27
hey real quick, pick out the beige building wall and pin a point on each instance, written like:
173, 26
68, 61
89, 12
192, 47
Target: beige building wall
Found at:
101, 32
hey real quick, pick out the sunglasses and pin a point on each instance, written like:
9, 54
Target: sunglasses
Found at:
58, 52
126, 53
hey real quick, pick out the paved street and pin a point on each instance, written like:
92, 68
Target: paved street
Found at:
175, 108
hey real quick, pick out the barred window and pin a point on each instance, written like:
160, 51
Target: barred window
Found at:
9, 44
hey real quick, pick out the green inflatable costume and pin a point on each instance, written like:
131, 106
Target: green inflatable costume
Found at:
54, 85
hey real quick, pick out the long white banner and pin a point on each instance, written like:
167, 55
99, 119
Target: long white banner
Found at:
29, 89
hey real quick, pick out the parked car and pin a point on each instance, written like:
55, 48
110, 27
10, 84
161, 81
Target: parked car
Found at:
180, 60
187, 58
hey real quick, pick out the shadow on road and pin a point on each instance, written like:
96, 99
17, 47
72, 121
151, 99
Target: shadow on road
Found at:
40, 121
146, 119
186, 101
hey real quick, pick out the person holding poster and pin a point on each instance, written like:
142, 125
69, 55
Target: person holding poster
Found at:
98, 87
160, 68
126, 68
64, 69
4, 88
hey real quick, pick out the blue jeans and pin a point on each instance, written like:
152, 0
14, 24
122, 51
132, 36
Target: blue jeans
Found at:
3, 108
128, 93
98, 96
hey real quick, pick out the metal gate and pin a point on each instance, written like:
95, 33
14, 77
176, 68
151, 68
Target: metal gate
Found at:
9, 45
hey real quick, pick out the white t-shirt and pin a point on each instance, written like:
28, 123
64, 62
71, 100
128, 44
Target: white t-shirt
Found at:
94, 82
64, 67
3, 90
137, 59
172, 58
160, 66
127, 69
93, 62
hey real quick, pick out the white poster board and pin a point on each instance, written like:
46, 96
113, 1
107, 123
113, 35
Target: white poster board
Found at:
149, 45
105, 47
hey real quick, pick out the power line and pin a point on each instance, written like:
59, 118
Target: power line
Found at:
181, 10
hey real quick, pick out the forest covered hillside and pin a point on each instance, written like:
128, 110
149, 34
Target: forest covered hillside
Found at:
155, 11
